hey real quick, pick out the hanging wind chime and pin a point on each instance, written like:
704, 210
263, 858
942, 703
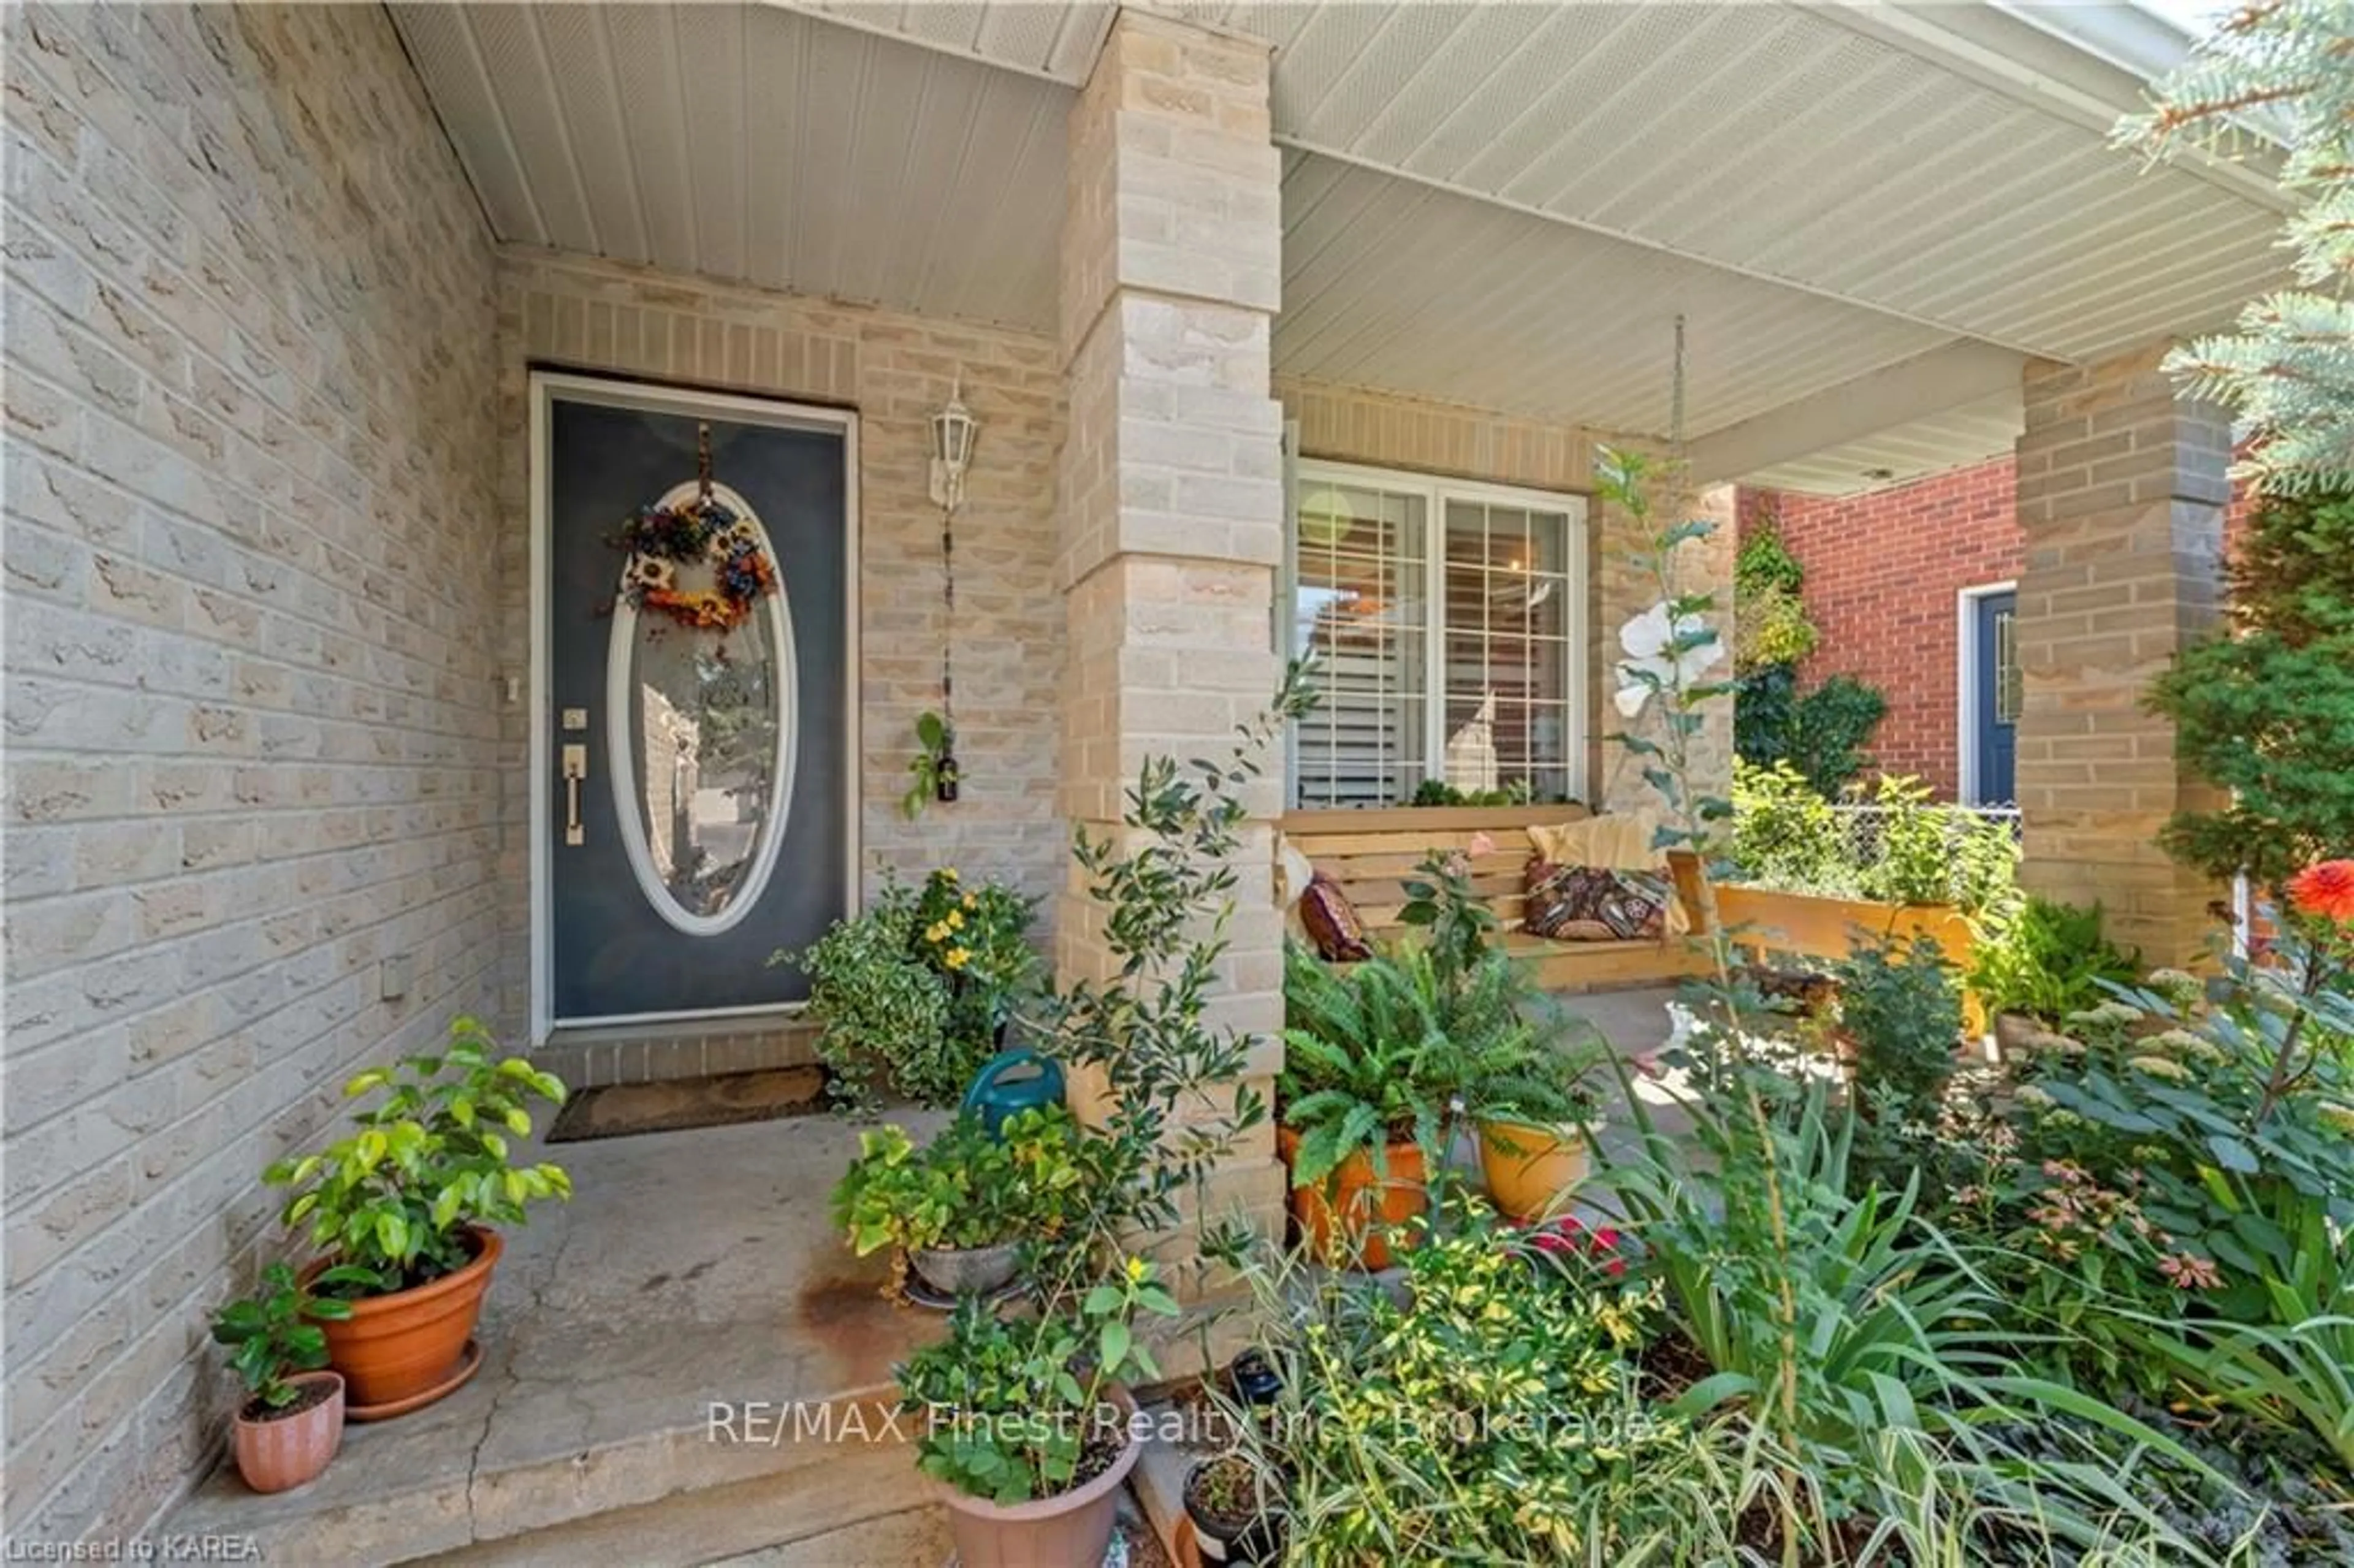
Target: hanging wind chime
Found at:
953, 430
700, 531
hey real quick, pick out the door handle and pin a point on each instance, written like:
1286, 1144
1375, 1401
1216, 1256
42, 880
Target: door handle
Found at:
576, 768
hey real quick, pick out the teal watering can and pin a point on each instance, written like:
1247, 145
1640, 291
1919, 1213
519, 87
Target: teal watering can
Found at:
1013, 1081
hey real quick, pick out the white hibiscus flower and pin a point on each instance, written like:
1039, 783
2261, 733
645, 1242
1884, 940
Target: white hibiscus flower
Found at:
1646, 640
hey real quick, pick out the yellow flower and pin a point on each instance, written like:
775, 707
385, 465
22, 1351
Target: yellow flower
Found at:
956, 920
948, 873
970, 902
956, 958
937, 933
1135, 1267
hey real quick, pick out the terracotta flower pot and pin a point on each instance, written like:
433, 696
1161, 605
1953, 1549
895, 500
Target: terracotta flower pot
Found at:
955, 1271
1343, 1219
275, 1453
1069, 1529
1530, 1166
410, 1345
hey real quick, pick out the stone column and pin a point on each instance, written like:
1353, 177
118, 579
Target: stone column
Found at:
2122, 489
1171, 484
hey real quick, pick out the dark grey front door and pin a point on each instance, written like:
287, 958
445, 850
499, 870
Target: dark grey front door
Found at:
697, 779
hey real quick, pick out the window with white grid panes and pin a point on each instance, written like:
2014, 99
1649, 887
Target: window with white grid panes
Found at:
1360, 606
1446, 621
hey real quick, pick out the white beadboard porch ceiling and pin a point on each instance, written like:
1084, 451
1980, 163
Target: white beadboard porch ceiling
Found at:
1499, 204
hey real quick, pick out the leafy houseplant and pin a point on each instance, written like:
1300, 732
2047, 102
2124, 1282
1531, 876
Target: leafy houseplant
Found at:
910, 993
291, 1422
956, 1208
1029, 1422
402, 1207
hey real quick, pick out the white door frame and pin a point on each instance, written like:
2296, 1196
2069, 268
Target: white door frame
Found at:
1965, 661
619, 392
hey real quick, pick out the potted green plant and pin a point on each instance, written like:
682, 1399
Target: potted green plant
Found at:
403, 1207
1030, 1425
957, 1209
911, 994
1364, 1099
292, 1420
1235, 1504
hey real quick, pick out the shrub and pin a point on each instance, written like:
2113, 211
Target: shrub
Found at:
1822, 732
2264, 707
1786, 834
1903, 1018
1907, 850
1771, 624
909, 993
2043, 960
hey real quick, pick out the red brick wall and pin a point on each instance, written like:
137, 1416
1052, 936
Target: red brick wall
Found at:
1883, 571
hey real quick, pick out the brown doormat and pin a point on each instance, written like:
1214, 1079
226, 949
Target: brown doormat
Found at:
674, 1104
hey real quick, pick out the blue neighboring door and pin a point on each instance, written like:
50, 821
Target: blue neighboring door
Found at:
1994, 727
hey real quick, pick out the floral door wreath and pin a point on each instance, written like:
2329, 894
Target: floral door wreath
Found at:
703, 531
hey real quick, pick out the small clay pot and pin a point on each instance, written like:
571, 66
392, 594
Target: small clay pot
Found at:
958, 1271
278, 1451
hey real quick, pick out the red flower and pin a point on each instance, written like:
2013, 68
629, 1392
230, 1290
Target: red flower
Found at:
2327, 889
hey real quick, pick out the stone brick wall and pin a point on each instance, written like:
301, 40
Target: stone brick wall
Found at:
2123, 490
1883, 572
896, 370
1382, 429
253, 742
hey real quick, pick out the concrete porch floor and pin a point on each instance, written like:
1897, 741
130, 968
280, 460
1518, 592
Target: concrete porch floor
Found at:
690, 1267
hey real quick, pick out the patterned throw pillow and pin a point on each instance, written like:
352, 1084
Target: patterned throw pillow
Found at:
1331, 924
1587, 904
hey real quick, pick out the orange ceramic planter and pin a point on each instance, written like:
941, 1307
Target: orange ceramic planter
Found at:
393, 1348
1529, 1167
1344, 1219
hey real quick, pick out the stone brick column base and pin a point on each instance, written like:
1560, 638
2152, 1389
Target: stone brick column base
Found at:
1170, 495
2122, 488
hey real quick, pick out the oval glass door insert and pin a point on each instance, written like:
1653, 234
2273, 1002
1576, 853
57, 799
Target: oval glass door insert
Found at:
701, 737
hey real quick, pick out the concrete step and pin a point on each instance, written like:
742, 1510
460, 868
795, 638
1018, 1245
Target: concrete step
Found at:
853, 1512
695, 1276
